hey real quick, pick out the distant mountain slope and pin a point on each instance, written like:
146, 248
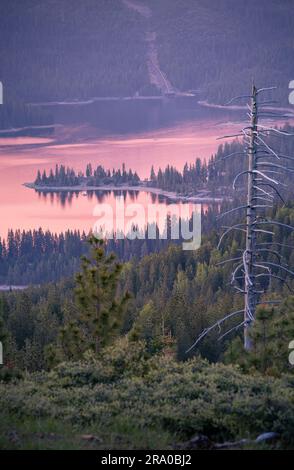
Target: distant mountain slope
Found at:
66, 49
218, 46
57, 50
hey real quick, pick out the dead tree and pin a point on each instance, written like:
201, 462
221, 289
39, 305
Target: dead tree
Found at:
264, 164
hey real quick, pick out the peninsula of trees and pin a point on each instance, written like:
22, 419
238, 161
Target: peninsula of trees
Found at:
213, 177
63, 177
193, 177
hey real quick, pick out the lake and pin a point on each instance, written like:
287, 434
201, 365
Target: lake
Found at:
140, 134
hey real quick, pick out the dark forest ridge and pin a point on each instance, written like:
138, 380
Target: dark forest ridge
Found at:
218, 46
108, 48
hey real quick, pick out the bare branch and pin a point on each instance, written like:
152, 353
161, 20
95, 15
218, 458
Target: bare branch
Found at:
228, 156
275, 277
272, 187
230, 211
268, 147
279, 266
287, 157
235, 272
273, 222
266, 89
229, 136
263, 231
284, 245
274, 130
263, 191
267, 102
234, 227
257, 265
228, 261
217, 324
262, 199
231, 329
237, 98
273, 252
238, 176
256, 206
275, 165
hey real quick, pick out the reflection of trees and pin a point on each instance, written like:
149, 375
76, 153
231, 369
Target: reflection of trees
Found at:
133, 195
62, 198
66, 198
101, 195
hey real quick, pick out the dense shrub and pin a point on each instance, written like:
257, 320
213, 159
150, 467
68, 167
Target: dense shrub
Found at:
157, 393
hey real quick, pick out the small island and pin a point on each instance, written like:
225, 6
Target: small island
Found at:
193, 184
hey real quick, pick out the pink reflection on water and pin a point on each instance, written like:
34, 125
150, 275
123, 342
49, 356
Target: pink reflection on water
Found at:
9, 141
22, 208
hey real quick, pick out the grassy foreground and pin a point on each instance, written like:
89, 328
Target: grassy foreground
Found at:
129, 400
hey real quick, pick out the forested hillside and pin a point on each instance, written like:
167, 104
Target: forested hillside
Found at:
84, 49
98, 48
37, 256
219, 46
139, 343
131, 380
174, 291
15, 114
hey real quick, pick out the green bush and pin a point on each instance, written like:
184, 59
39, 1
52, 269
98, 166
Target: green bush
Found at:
157, 393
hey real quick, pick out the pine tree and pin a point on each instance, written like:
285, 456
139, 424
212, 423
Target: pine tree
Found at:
2, 330
3, 333
99, 308
89, 170
152, 174
39, 178
271, 335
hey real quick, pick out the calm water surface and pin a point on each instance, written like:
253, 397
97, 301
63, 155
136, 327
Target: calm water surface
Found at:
139, 140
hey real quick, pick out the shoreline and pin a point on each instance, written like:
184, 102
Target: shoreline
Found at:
197, 198
208, 104
96, 99
8, 287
